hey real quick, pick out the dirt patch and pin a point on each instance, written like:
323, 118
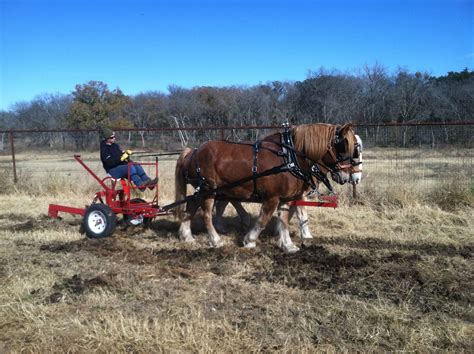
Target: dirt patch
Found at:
431, 277
397, 277
173, 262
76, 286
14, 217
21, 222
466, 251
118, 248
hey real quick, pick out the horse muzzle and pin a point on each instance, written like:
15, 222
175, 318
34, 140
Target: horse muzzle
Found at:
356, 178
340, 177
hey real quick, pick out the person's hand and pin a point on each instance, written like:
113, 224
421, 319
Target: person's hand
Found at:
124, 156
128, 152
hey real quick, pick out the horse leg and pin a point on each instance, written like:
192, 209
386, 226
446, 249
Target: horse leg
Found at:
303, 222
207, 205
266, 211
243, 215
302, 215
284, 242
218, 217
185, 233
220, 208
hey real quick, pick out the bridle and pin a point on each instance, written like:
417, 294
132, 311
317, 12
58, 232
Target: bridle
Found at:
335, 149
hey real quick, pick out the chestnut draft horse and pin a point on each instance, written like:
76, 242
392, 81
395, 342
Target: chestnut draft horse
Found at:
301, 213
261, 172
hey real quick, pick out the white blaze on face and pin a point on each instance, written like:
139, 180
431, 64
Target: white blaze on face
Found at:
357, 177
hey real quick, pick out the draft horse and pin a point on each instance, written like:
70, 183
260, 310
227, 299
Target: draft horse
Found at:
300, 211
261, 172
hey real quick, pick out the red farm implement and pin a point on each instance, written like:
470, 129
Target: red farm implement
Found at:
100, 217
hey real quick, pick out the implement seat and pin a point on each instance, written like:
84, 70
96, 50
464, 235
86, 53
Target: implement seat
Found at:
124, 182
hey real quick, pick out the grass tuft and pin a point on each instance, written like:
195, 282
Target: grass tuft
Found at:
398, 194
452, 195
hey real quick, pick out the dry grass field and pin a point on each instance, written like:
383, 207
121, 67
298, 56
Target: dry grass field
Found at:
391, 271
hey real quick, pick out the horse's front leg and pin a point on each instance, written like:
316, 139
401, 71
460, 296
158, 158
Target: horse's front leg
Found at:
184, 232
214, 239
284, 241
266, 211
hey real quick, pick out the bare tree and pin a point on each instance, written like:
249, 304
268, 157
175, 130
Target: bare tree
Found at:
375, 94
148, 110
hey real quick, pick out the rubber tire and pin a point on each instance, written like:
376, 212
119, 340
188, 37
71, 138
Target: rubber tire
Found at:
129, 221
99, 212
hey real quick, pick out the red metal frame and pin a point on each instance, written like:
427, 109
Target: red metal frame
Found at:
54, 210
329, 201
119, 200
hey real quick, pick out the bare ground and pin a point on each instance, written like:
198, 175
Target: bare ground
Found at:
142, 290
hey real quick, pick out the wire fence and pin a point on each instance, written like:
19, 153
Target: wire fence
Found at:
423, 152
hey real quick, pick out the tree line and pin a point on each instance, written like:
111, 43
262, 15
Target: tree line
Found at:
372, 95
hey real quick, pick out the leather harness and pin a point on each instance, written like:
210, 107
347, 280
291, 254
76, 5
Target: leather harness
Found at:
291, 164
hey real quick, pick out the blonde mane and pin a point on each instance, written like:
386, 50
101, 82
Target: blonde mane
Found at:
314, 139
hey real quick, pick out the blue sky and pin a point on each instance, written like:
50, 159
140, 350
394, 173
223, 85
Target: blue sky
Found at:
50, 46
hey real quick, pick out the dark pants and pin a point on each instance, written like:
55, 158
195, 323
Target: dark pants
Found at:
137, 174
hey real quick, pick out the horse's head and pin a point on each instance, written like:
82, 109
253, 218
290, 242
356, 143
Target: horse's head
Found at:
343, 156
333, 149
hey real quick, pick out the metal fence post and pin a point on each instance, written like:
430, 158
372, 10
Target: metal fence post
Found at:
12, 145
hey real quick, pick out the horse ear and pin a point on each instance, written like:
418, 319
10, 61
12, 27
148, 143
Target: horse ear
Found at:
345, 129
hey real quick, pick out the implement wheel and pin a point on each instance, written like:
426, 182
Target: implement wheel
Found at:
99, 221
139, 219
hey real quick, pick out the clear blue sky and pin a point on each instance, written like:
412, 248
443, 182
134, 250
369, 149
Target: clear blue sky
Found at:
50, 46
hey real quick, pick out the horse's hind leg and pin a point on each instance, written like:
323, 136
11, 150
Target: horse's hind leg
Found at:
303, 222
214, 238
302, 215
243, 215
219, 223
185, 233
284, 242
218, 217
268, 208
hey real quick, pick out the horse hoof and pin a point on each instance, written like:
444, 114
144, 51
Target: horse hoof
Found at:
217, 244
189, 239
306, 237
221, 229
250, 244
291, 249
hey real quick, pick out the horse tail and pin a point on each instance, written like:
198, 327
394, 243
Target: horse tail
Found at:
180, 182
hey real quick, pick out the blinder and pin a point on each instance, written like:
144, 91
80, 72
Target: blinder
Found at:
340, 149
339, 143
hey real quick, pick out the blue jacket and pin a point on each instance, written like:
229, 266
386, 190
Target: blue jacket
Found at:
110, 155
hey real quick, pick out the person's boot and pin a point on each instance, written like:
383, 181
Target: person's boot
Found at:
151, 183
